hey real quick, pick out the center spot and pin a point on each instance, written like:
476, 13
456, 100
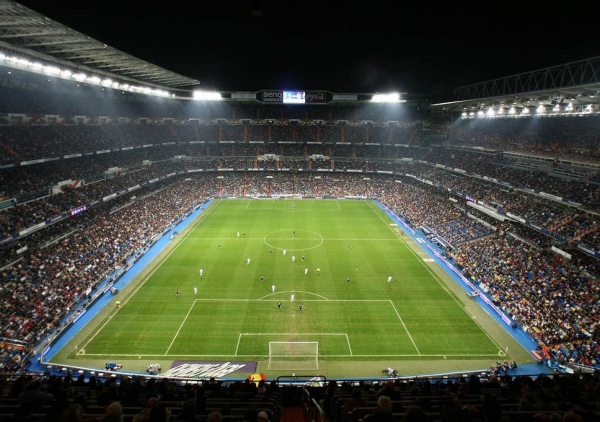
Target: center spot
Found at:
301, 240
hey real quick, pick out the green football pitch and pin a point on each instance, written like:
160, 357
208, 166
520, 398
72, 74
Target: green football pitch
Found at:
229, 314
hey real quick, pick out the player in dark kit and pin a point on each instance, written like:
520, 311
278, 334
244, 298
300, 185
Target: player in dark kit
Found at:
348, 280
279, 306
177, 293
300, 307
262, 278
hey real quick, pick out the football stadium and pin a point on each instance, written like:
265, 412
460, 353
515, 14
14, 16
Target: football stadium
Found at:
177, 253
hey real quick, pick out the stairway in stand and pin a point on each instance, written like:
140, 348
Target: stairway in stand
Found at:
292, 414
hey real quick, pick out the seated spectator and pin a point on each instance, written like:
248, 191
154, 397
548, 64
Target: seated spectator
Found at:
356, 401
383, 412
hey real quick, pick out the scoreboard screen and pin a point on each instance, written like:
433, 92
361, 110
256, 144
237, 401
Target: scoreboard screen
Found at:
294, 97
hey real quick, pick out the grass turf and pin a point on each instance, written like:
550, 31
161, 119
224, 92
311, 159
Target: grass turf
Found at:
234, 315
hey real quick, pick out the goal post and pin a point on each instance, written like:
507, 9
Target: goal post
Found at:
293, 355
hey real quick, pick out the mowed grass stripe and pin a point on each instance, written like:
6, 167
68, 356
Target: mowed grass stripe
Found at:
378, 211
434, 319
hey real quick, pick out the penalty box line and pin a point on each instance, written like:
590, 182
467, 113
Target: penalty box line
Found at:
440, 282
180, 327
293, 334
296, 334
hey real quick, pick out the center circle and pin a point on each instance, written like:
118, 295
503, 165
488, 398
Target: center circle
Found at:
293, 239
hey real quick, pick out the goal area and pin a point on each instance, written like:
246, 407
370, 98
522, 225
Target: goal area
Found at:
293, 355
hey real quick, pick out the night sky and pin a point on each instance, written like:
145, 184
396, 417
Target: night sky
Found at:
352, 46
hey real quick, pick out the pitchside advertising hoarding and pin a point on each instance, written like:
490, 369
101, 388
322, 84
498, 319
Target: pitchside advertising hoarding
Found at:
293, 97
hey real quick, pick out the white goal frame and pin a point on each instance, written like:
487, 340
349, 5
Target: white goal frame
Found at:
293, 355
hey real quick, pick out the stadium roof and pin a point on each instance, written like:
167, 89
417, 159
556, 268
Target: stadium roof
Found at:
27, 32
576, 83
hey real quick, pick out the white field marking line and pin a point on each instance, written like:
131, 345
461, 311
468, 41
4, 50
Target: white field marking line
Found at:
330, 300
238, 344
338, 204
152, 273
290, 291
349, 348
406, 329
262, 299
180, 327
297, 334
293, 250
96, 333
294, 238
335, 356
442, 285
248, 203
293, 334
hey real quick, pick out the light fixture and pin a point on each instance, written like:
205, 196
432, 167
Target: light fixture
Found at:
393, 97
207, 96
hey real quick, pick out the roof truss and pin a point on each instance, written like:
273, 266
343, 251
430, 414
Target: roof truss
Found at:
28, 30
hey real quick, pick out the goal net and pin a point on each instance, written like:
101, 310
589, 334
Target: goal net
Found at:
293, 355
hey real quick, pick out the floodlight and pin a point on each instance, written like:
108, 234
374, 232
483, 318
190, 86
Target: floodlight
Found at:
500, 111
386, 98
471, 114
569, 107
480, 113
491, 112
2, 56
206, 96
525, 111
464, 114
512, 110
37, 65
51, 69
107, 82
80, 76
540, 109
94, 79
556, 108
66, 73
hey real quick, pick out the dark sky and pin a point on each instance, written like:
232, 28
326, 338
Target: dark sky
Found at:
349, 46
